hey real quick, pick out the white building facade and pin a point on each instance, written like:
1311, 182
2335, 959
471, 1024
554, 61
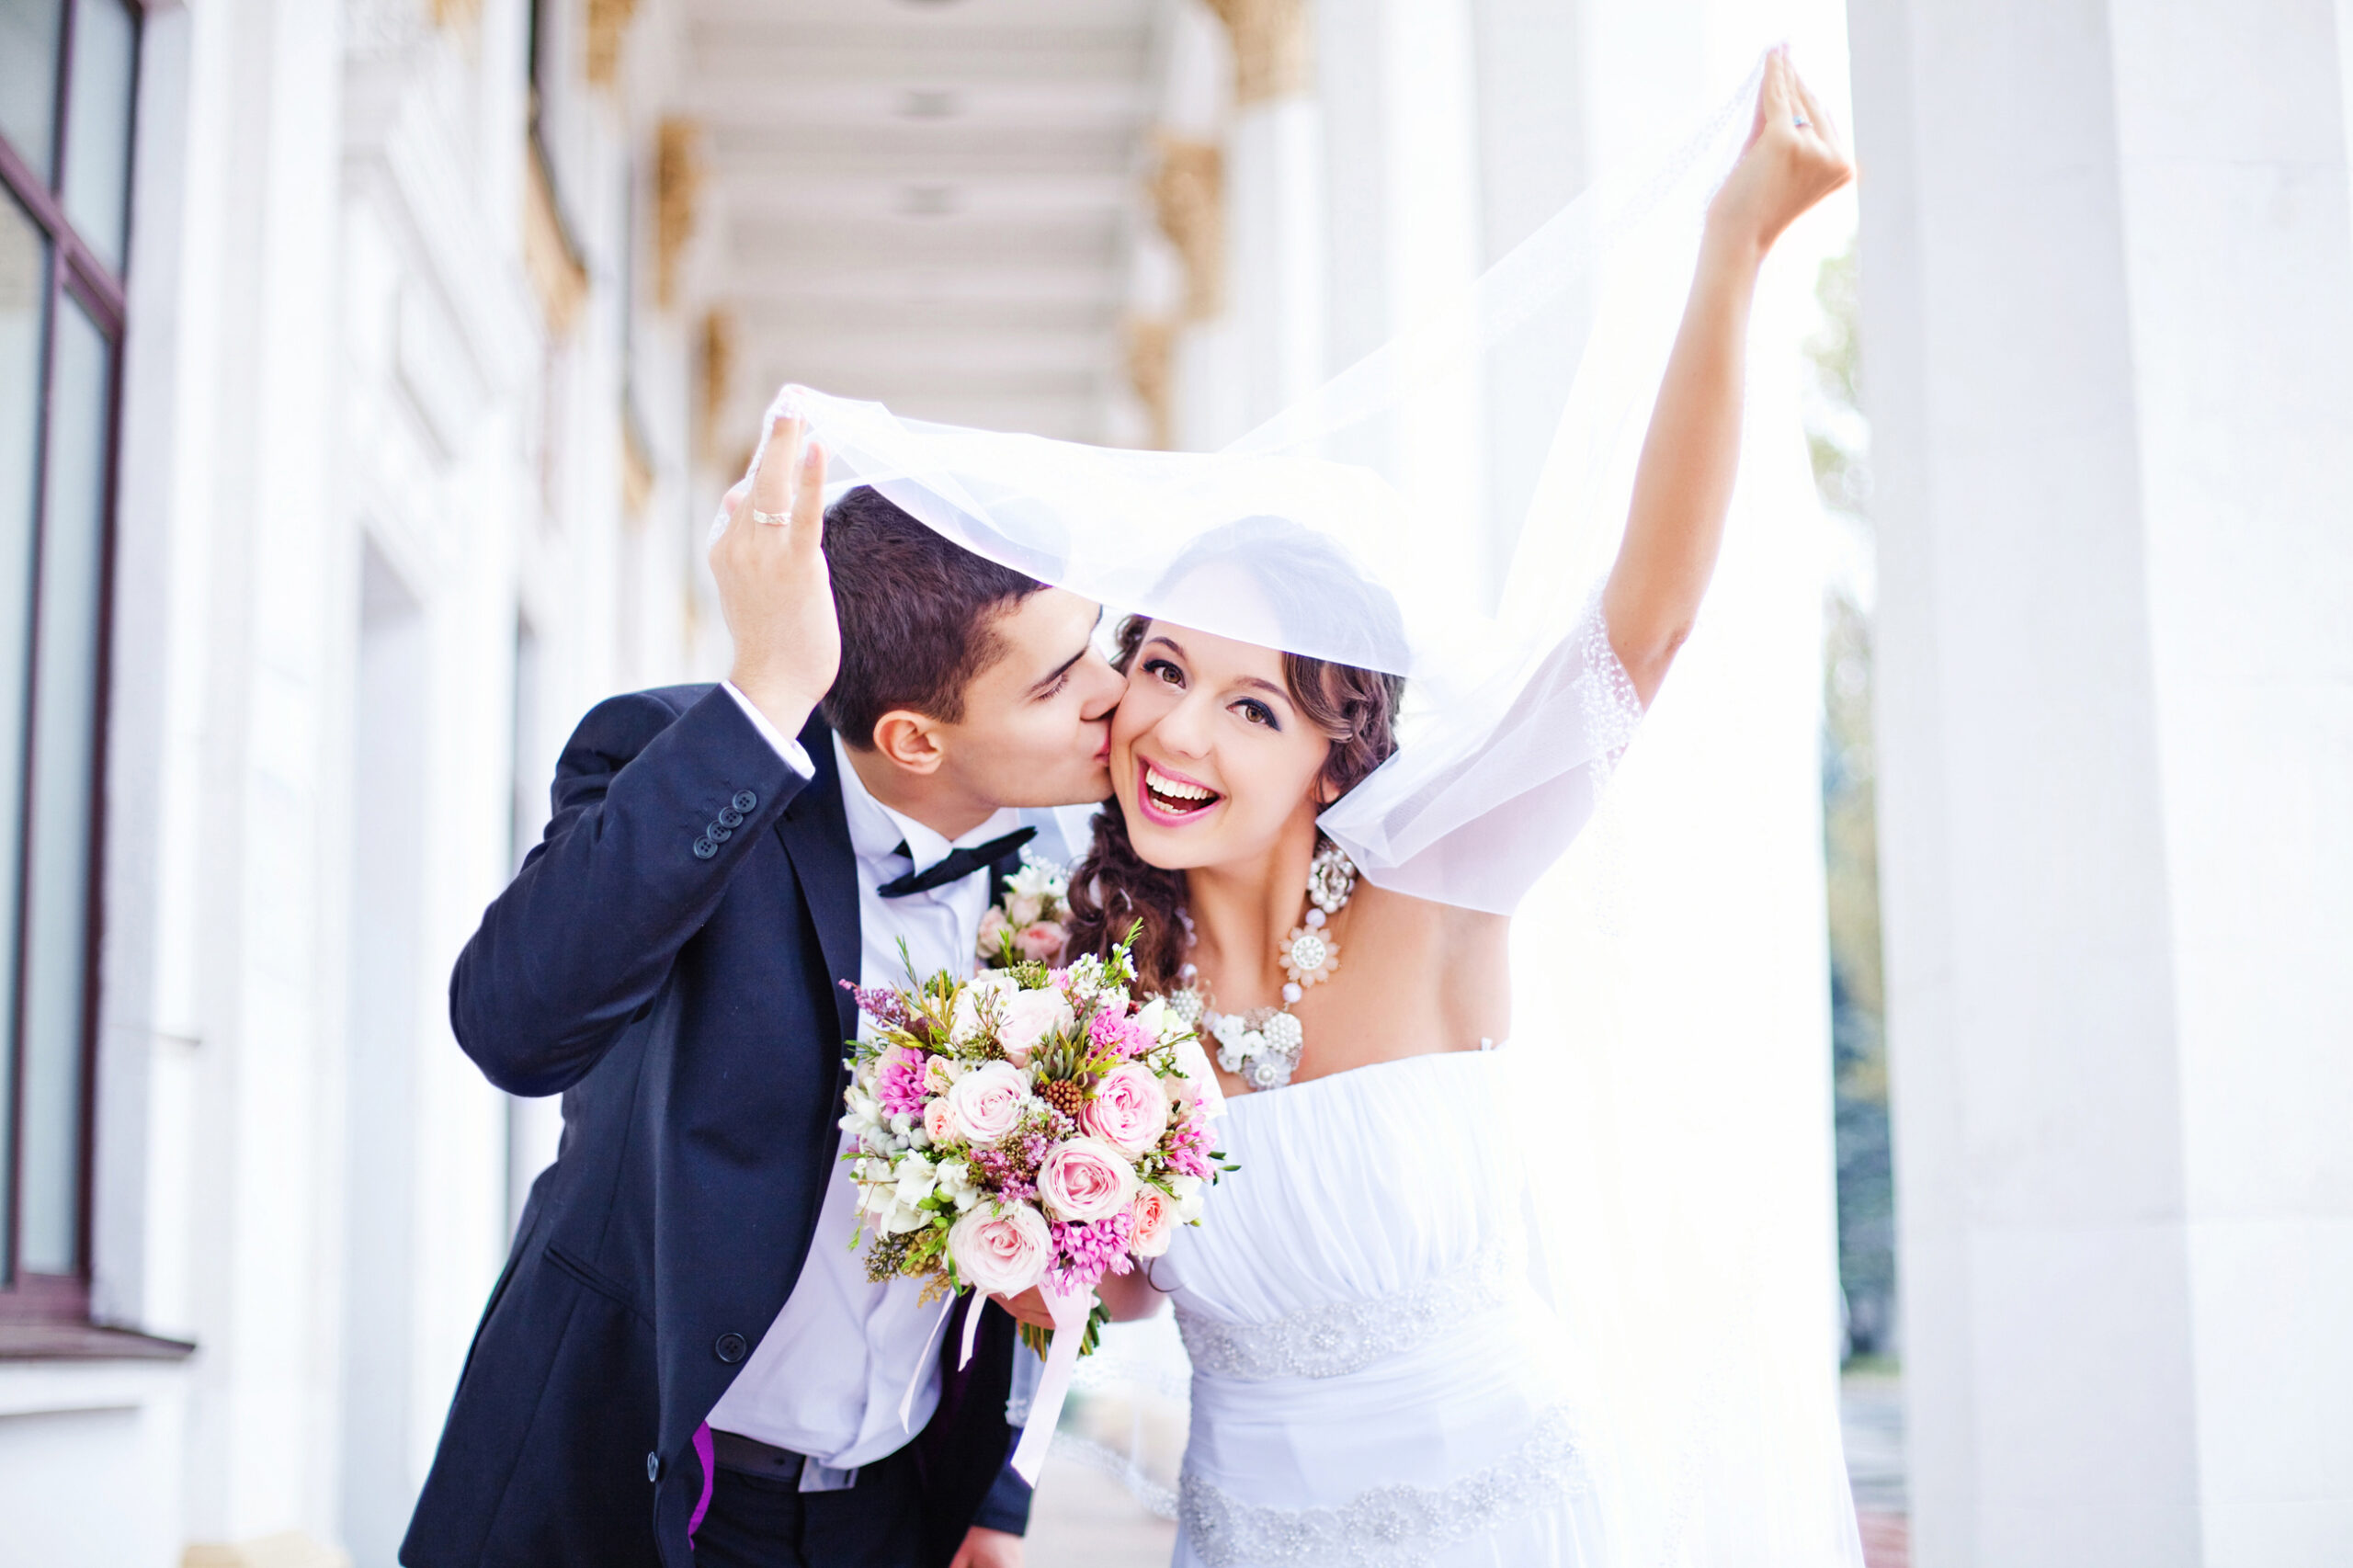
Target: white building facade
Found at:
349, 444
363, 431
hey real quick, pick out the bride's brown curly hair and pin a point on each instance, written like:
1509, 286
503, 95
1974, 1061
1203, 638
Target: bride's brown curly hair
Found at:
1114, 890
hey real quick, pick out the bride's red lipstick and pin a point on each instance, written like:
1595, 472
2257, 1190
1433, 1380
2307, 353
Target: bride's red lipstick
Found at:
1171, 810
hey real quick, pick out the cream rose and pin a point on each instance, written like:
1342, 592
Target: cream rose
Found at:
987, 1102
1085, 1179
1129, 1110
940, 1123
1001, 1254
1152, 1223
1029, 1018
1191, 1200
1162, 1020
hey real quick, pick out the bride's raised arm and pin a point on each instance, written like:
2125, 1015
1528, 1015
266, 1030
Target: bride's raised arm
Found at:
1487, 810
1683, 485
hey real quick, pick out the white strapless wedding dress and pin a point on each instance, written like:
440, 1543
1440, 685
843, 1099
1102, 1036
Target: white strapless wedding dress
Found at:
1376, 1378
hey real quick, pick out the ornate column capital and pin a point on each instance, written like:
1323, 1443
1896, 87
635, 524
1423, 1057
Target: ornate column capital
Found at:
715, 374
677, 184
1152, 341
1189, 200
607, 22
1271, 47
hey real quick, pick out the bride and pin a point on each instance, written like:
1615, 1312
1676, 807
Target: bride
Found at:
1379, 1376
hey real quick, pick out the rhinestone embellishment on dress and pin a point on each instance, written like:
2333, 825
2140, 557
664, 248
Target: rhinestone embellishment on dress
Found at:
1347, 1336
1388, 1527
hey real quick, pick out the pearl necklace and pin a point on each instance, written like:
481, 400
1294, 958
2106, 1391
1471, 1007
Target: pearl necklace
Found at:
1262, 1046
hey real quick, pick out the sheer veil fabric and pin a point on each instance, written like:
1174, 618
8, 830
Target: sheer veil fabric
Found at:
1444, 509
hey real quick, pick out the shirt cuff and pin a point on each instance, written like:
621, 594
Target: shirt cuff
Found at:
795, 754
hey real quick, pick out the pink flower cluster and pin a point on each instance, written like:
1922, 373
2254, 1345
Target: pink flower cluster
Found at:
1091, 1250
898, 1081
1011, 1172
1187, 1147
1121, 1032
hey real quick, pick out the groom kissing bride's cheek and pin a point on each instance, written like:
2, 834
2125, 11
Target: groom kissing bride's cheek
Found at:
684, 1361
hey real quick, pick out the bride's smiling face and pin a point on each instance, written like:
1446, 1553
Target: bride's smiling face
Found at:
1212, 759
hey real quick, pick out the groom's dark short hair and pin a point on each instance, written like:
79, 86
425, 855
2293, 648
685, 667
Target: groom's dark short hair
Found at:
918, 615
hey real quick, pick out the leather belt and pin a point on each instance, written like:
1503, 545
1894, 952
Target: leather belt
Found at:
749, 1455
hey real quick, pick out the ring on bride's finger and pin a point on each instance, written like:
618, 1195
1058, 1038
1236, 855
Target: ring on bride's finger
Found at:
774, 519
1801, 122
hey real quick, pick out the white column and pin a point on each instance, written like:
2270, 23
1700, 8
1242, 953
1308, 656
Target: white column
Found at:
258, 502
1274, 163
2107, 270
1235, 78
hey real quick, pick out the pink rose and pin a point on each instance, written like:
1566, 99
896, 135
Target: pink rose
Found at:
940, 1123
1152, 1223
1042, 942
994, 925
1085, 1180
988, 1101
1002, 1253
1129, 1110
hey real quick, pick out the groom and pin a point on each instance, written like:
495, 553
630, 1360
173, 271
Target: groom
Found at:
684, 1362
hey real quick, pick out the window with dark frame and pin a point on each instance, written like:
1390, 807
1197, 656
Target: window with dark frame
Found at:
68, 75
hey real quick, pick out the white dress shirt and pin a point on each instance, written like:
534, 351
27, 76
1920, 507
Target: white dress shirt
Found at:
826, 1379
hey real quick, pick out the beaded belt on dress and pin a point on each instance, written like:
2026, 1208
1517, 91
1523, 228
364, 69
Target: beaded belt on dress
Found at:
1347, 1336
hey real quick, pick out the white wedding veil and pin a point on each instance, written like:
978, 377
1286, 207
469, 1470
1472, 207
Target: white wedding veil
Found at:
1467, 483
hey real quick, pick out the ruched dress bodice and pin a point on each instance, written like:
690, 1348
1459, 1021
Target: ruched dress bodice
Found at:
1376, 1379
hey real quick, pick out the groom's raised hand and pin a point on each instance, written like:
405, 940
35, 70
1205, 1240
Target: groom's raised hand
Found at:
774, 590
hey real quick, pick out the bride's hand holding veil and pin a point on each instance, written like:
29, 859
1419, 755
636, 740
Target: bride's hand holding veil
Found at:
1683, 488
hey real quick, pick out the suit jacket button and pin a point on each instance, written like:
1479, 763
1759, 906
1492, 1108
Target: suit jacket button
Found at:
745, 801
730, 1348
730, 817
705, 850
719, 832
654, 1467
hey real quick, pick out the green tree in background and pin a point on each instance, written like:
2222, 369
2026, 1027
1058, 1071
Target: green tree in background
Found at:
1840, 441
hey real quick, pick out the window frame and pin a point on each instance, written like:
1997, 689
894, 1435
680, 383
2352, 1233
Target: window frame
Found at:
47, 1304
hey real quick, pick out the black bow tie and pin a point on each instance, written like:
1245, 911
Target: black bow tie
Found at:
958, 865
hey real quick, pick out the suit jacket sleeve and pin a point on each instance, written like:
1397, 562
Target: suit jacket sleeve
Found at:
657, 799
1006, 1507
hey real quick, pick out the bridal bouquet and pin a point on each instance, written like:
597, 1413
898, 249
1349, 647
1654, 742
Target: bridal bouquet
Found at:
1029, 1125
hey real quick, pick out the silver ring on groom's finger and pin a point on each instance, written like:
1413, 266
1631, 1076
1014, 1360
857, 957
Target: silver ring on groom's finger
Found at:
1801, 122
774, 519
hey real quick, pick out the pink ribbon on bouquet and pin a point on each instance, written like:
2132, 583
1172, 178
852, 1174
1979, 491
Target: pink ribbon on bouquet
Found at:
1070, 1308
923, 1362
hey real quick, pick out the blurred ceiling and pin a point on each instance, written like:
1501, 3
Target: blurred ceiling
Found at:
927, 201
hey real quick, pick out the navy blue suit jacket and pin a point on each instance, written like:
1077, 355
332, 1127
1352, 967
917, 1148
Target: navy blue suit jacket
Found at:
687, 1005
